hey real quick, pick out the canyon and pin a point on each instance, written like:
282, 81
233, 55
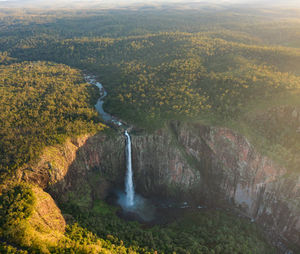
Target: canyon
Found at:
183, 162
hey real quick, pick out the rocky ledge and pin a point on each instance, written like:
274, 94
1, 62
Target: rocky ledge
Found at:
184, 162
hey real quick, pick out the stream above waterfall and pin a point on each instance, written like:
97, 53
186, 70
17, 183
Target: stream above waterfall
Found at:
157, 209
108, 118
134, 206
130, 202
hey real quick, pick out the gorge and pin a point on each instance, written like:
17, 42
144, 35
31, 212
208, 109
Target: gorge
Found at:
182, 162
189, 145
127, 199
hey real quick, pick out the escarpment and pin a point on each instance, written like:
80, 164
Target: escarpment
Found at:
53, 164
184, 162
217, 166
243, 177
98, 167
85, 168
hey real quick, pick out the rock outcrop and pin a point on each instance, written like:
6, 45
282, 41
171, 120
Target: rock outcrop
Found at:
53, 164
161, 167
219, 167
80, 170
99, 166
185, 162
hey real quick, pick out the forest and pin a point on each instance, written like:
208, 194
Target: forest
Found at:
100, 230
232, 68
159, 67
41, 105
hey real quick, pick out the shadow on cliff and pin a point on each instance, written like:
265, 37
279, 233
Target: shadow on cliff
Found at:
98, 167
194, 163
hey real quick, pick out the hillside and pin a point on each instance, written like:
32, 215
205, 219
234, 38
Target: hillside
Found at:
215, 78
211, 98
41, 104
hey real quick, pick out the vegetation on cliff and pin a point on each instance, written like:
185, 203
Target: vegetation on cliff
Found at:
27, 227
40, 105
193, 232
218, 68
180, 65
16, 205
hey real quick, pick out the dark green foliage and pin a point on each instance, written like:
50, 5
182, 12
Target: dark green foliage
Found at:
40, 105
157, 76
155, 65
202, 68
9, 249
205, 75
16, 204
206, 67
80, 240
195, 232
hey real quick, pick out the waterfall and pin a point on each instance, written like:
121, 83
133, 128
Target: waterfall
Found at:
129, 188
128, 200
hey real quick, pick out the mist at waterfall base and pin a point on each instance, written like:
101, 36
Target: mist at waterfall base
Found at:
131, 202
141, 210
134, 206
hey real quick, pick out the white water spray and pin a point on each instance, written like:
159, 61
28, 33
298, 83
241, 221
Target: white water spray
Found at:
129, 188
129, 200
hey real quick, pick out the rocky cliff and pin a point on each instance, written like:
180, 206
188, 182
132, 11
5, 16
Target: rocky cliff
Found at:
185, 162
83, 169
219, 167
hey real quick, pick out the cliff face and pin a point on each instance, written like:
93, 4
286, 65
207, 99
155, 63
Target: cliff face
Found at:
218, 167
186, 162
99, 166
81, 170
53, 164
161, 167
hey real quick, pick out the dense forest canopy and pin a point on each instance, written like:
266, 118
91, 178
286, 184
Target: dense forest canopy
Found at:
217, 65
208, 64
209, 232
42, 104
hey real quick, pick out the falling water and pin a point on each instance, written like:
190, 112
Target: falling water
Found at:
129, 201
129, 188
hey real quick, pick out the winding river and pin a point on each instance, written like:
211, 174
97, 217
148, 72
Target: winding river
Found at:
108, 118
128, 199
